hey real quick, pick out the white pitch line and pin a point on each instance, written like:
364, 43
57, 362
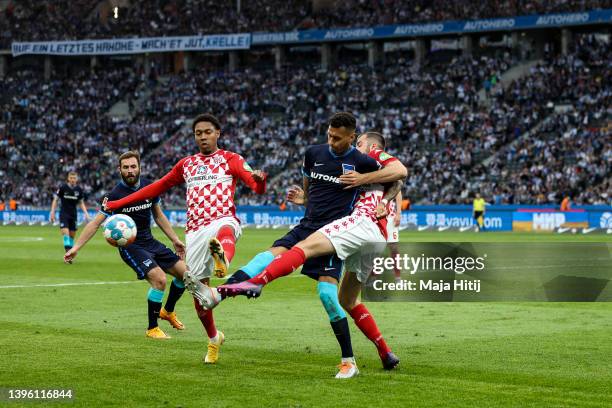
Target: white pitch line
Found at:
21, 239
53, 285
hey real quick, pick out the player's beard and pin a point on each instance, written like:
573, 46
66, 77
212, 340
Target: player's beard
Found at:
131, 180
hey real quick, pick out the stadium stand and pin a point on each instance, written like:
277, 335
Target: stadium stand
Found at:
32, 20
533, 140
366, 13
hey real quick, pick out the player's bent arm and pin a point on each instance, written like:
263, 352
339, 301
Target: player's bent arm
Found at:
89, 231
162, 221
297, 195
393, 191
255, 179
391, 172
398, 201
389, 194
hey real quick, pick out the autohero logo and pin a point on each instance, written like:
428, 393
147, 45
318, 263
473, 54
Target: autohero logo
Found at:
138, 207
325, 177
422, 263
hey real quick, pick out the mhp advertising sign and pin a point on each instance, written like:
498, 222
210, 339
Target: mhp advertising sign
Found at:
540, 220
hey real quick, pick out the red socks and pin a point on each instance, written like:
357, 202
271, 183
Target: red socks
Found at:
206, 317
228, 241
367, 324
282, 265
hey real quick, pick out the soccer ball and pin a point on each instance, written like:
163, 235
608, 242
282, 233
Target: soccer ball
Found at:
120, 230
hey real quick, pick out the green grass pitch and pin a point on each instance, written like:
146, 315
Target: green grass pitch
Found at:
280, 350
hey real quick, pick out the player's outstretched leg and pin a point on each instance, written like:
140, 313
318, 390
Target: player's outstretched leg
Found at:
222, 249
251, 269
283, 265
167, 313
206, 296
215, 337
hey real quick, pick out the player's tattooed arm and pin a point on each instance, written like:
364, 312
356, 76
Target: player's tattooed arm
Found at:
393, 190
163, 223
390, 194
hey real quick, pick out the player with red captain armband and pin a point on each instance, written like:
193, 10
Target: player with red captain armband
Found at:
212, 227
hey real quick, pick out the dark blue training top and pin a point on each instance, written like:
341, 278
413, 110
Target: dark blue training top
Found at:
327, 198
140, 211
69, 198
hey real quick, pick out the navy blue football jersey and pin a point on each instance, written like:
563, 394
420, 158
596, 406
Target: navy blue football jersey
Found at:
327, 198
140, 211
69, 198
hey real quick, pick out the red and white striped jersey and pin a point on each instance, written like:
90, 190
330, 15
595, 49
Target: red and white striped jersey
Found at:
211, 184
372, 194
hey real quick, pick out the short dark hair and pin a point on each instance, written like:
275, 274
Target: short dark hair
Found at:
378, 137
343, 119
206, 117
128, 155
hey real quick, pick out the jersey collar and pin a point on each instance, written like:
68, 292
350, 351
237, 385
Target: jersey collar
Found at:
135, 187
336, 156
209, 155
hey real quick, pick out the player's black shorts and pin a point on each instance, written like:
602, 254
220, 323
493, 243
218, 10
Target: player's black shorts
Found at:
144, 256
67, 221
327, 265
478, 214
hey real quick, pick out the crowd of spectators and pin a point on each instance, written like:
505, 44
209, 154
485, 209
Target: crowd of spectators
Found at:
453, 143
34, 20
367, 13
578, 81
571, 156
48, 128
